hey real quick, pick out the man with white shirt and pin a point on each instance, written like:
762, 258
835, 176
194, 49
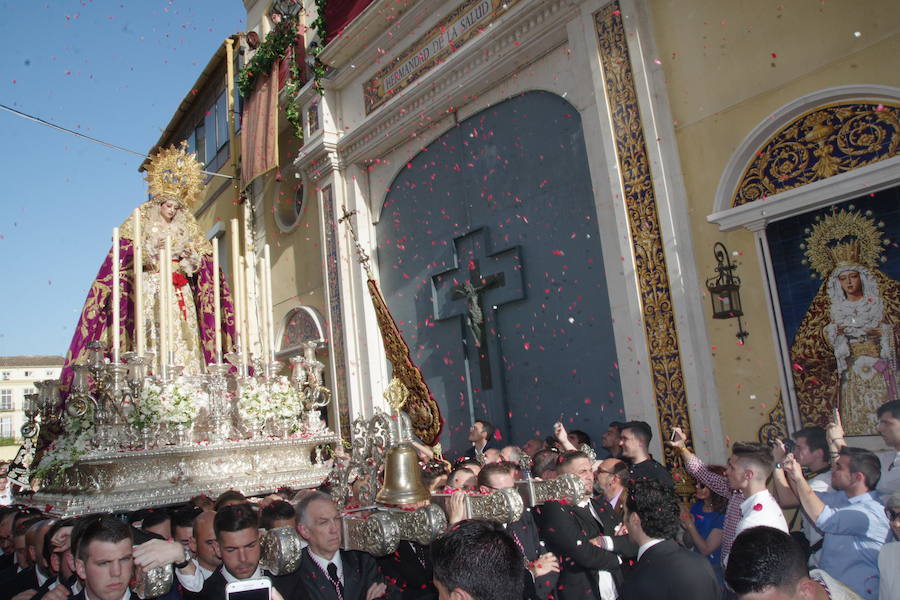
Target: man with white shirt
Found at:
744, 484
326, 572
236, 543
664, 569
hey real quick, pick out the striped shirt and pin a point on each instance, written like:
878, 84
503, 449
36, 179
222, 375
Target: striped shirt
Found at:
719, 485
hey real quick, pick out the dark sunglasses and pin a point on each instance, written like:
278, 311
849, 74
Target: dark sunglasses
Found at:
891, 514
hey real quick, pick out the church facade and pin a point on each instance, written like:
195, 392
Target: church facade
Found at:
539, 186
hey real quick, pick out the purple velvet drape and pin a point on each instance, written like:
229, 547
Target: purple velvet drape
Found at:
97, 312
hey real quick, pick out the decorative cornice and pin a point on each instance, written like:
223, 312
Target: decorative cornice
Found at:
778, 120
366, 38
845, 186
527, 32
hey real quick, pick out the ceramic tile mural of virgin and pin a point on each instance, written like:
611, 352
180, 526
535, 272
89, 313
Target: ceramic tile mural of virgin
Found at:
844, 349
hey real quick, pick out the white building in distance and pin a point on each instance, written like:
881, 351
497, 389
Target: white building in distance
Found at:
18, 375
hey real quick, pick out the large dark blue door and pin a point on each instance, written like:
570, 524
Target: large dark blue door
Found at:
490, 261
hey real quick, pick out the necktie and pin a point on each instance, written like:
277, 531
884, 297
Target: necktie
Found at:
333, 575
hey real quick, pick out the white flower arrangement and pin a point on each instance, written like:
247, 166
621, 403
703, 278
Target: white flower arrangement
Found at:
65, 450
284, 399
173, 403
259, 401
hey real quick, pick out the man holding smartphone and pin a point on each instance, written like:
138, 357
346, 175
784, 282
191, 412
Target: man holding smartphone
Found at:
326, 572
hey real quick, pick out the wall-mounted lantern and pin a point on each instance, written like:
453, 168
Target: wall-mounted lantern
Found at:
724, 290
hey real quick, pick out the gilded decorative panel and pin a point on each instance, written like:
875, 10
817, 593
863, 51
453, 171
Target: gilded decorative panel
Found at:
824, 142
643, 221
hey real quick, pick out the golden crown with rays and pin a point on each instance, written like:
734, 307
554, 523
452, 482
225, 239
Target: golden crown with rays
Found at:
842, 238
173, 174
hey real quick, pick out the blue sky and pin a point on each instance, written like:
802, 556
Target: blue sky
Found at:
112, 70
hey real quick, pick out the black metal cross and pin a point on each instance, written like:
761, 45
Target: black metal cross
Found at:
477, 281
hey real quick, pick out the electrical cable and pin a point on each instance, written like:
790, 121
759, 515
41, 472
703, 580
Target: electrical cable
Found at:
87, 137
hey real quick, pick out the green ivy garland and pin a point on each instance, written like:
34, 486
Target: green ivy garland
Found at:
274, 48
270, 51
318, 67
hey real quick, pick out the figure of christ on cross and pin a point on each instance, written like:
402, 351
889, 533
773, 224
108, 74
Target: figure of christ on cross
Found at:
475, 313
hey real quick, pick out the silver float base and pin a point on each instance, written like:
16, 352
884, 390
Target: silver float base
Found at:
129, 480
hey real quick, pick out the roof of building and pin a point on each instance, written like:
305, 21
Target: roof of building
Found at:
184, 108
31, 361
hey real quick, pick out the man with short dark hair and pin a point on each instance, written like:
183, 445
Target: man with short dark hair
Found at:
481, 434
229, 498
609, 441
477, 560
635, 443
543, 567
543, 464
852, 521
889, 429
327, 572
664, 569
195, 564
750, 503
183, 525
103, 559
278, 514
768, 563
579, 534
462, 478
610, 477
811, 451
236, 527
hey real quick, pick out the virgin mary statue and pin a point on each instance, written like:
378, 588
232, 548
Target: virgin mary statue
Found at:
175, 181
845, 351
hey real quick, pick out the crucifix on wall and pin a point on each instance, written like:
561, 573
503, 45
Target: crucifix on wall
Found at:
478, 285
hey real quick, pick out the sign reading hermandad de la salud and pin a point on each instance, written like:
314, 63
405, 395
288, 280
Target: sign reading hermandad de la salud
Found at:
446, 37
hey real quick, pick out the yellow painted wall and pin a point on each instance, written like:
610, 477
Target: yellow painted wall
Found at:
728, 65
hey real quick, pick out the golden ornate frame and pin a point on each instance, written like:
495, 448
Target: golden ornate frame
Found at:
643, 221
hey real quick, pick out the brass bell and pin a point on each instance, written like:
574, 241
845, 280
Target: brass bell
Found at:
402, 478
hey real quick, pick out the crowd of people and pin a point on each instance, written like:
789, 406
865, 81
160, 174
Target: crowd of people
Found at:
807, 517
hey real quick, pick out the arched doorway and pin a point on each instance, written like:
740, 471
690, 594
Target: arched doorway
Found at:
490, 261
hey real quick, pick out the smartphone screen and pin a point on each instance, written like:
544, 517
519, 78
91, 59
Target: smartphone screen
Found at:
261, 593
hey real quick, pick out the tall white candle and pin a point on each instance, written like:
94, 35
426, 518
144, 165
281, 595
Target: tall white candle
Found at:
171, 315
116, 294
163, 330
270, 303
263, 303
217, 312
139, 340
236, 284
249, 304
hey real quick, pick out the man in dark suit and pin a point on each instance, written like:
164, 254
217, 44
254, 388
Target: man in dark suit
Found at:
57, 555
236, 529
481, 434
477, 560
103, 559
543, 567
7, 558
326, 572
664, 569
29, 543
635, 442
583, 536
